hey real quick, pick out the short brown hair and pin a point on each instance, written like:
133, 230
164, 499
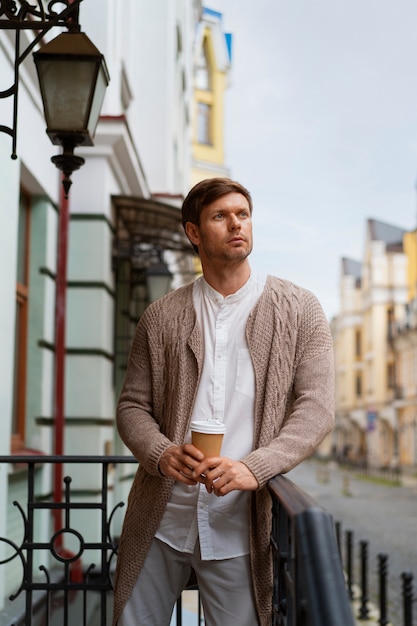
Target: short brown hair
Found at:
207, 191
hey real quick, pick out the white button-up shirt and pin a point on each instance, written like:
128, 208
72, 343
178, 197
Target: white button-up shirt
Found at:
227, 393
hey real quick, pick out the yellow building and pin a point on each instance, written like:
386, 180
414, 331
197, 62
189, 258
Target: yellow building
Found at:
350, 427
374, 298
405, 345
212, 70
410, 249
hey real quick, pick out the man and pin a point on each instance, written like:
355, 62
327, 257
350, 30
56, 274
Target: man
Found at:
253, 352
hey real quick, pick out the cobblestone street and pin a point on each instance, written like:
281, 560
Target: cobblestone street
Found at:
383, 515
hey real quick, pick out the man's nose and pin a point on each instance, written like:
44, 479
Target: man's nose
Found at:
234, 222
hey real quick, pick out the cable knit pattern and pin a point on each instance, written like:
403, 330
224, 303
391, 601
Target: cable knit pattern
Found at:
291, 349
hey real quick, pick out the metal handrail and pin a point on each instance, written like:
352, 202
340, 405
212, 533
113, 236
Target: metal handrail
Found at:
309, 586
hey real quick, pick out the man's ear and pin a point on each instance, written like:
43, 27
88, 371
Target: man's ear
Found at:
192, 232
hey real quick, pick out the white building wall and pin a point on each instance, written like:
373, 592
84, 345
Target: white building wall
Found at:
154, 69
142, 146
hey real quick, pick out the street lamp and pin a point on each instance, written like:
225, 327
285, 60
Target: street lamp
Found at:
73, 78
158, 280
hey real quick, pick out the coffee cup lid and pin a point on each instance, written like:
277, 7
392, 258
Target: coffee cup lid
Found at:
208, 426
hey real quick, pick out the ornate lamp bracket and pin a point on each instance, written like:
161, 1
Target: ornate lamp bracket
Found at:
39, 17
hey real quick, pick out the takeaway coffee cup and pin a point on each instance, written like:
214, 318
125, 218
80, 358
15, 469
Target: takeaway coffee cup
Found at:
207, 436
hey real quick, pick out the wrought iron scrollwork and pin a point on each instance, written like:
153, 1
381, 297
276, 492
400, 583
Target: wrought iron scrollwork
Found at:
71, 563
8, 8
39, 18
56, 11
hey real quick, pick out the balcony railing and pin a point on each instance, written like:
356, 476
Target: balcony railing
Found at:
74, 586
309, 584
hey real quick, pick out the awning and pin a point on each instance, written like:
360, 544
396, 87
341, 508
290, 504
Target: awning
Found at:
145, 226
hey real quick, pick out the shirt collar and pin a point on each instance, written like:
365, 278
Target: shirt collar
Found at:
208, 291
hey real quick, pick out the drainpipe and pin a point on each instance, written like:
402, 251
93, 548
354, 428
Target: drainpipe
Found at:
59, 399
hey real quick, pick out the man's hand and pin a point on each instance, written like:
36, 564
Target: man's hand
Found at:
179, 462
222, 475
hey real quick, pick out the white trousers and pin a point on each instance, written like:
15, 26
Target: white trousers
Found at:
225, 589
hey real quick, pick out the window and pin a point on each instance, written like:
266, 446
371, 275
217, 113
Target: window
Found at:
204, 123
391, 323
20, 349
391, 375
358, 386
358, 344
203, 74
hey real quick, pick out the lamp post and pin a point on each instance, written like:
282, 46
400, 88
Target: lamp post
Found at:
73, 78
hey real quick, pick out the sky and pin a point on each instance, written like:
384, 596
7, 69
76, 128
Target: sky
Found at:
321, 127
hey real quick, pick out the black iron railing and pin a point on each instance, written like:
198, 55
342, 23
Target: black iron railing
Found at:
68, 582
74, 588
309, 585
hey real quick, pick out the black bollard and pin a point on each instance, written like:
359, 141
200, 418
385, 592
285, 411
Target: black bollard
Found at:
383, 596
408, 598
363, 610
179, 611
349, 561
338, 531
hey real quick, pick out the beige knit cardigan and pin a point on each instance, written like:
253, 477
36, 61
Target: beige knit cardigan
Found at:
291, 349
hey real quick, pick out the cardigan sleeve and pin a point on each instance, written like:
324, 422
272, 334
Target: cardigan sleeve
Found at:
309, 414
135, 418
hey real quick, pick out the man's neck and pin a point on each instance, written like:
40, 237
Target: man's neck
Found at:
227, 280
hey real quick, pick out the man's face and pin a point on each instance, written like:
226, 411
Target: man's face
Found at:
225, 230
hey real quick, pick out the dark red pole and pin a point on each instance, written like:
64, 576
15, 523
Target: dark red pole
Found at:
60, 309
60, 326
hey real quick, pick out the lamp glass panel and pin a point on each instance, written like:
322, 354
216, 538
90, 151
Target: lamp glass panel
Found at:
67, 89
98, 98
158, 285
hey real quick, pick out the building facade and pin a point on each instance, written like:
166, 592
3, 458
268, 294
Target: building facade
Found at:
123, 223
375, 352
212, 58
405, 350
